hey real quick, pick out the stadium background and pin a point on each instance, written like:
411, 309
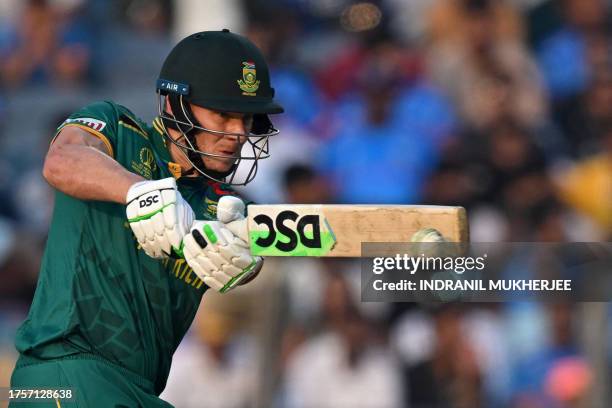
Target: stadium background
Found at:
503, 107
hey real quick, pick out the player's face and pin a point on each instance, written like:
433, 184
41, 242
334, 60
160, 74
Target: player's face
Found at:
223, 145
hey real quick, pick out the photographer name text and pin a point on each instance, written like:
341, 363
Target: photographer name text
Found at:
500, 285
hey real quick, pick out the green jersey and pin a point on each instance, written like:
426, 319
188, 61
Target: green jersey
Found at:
98, 293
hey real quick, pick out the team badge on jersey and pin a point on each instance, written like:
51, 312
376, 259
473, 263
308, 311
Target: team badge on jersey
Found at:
249, 82
95, 124
147, 164
147, 158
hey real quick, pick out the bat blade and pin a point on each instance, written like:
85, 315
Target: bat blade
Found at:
339, 230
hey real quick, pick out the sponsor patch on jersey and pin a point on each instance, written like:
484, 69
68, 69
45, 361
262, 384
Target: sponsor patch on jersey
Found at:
211, 207
95, 124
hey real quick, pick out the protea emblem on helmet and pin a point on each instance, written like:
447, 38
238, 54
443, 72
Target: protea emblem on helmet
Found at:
249, 82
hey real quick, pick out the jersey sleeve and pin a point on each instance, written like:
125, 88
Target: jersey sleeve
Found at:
100, 119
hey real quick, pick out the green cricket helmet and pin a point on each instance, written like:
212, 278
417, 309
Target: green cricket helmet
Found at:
225, 72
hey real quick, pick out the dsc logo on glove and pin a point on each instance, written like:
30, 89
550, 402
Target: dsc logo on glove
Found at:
149, 201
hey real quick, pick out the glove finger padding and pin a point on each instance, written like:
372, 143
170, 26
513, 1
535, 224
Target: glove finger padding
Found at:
197, 259
217, 256
152, 249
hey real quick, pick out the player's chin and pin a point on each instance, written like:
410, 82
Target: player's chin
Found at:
220, 164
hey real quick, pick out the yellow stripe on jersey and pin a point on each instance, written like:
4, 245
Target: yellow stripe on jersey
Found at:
93, 132
158, 126
134, 129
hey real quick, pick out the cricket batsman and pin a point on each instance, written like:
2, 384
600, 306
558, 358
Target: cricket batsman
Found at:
145, 222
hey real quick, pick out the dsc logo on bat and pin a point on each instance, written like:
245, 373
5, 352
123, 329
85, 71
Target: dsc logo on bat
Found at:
290, 234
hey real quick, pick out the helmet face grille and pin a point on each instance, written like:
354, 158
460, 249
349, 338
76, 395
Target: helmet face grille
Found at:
255, 146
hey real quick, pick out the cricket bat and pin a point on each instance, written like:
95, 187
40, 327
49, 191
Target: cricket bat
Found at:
339, 230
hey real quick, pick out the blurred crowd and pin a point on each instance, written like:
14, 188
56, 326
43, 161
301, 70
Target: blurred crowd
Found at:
501, 106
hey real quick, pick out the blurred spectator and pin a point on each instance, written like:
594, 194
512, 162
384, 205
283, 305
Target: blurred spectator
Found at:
7, 184
29, 186
32, 41
372, 158
451, 20
377, 60
568, 52
304, 186
586, 118
20, 256
587, 186
276, 27
153, 16
450, 376
422, 108
538, 377
215, 368
32, 188
478, 58
345, 366
502, 168
50, 42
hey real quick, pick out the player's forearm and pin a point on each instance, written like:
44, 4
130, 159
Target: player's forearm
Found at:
86, 173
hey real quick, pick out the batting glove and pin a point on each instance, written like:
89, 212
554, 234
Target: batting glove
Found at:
158, 216
218, 251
